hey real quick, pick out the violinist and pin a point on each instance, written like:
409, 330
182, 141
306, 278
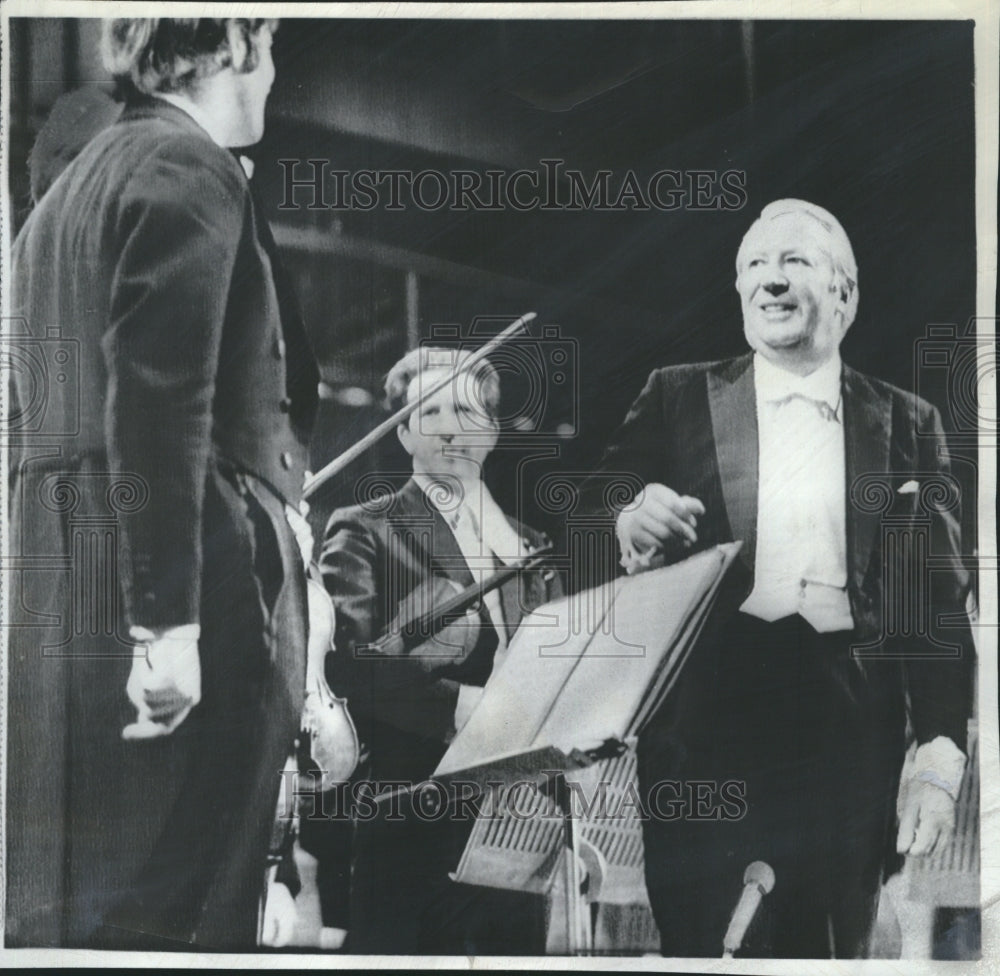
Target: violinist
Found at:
384, 561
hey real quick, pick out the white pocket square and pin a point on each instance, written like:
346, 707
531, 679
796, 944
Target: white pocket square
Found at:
910, 488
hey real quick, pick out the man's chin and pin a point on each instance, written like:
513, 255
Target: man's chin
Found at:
463, 470
782, 341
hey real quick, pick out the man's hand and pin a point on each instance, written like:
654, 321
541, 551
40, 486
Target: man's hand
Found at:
658, 518
453, 643
926, 818
165, 682
280, 916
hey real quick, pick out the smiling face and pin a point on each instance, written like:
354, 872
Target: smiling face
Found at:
794, 303
451, 433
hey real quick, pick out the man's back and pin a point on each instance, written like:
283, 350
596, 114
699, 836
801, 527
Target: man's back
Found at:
152, 207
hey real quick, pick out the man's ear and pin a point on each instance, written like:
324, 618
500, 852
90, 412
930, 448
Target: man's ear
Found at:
847, 300
493, 432
405, 438
841, 284
239, 49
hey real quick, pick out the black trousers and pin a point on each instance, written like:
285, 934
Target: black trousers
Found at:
402, 898
814, 739
404, 902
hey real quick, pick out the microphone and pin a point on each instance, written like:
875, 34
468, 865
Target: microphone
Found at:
758, 880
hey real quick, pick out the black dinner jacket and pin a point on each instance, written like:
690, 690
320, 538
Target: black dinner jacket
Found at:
694, 429
374, 555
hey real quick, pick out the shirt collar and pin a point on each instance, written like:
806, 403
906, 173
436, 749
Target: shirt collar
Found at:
442, 494
774, 383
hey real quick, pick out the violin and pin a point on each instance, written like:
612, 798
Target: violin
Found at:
441, 619
333, 737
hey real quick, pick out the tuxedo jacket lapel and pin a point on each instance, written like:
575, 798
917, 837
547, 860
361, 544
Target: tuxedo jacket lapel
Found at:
432, 547
733, 406
437, 550
867, 433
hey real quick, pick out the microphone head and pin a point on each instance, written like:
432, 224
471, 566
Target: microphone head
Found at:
760, 874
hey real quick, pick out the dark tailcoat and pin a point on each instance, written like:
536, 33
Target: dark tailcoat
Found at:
164, 390
909, 659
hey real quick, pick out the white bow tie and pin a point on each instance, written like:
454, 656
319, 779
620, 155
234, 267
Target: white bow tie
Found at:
825, 410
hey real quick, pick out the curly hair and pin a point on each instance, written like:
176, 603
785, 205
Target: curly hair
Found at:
170, 54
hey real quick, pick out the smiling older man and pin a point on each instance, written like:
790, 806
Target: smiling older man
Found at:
766, 449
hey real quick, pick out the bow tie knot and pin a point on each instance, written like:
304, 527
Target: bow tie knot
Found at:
825, 410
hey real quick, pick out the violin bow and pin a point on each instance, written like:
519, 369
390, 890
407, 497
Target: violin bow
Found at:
427, 624
328, 471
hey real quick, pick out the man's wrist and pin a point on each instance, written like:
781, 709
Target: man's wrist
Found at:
147, 635
941, 763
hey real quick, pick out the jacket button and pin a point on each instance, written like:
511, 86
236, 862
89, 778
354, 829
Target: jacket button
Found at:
286, 460
285, 404
279, 348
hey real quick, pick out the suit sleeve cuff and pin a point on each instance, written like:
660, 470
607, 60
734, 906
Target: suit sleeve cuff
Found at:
185, 632
940, 762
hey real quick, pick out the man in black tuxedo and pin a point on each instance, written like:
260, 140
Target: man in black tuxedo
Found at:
156, 679
806, 686
383, 560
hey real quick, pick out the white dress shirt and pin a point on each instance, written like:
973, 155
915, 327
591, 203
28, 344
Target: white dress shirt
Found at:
484, 537
801, 557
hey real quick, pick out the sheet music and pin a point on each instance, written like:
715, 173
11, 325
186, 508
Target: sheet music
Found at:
570, 690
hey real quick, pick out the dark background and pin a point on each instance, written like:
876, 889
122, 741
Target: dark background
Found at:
872, 120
